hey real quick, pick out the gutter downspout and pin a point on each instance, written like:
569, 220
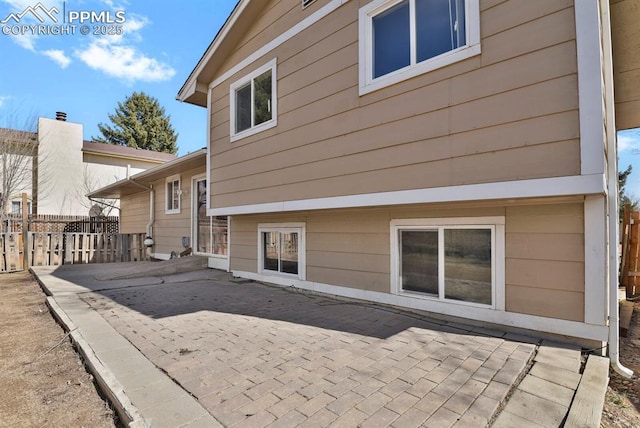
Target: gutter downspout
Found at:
612, 195
614, 316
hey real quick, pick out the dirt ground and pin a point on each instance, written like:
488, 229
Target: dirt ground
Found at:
622, 402
43, 382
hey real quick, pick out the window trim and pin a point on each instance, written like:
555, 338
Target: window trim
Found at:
235, 136
300, 228
172, 179
497, 224
194, 220
365, 45
19, 202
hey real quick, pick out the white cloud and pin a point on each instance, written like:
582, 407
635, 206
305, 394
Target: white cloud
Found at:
26, 41
58, 57
3, 99
124, 62
629, 140
117, 57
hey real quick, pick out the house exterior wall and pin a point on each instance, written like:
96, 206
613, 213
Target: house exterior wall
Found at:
544, 247
168, 229
488, 137
59, 167
99, 171
510, 113
66, 174
134, 213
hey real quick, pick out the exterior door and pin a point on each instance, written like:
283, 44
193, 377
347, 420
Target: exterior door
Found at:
202, 222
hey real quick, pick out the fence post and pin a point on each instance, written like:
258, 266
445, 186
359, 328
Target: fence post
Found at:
25, 233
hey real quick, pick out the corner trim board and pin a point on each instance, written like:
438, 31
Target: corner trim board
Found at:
590, 87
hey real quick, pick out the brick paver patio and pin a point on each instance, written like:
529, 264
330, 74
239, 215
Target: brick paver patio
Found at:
256, 355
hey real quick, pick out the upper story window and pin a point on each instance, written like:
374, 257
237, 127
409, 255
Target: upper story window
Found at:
253, 102
173, 195
400, 39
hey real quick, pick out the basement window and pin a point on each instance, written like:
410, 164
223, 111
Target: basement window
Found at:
281, 249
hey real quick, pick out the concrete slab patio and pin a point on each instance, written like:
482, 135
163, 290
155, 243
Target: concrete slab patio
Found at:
209, 351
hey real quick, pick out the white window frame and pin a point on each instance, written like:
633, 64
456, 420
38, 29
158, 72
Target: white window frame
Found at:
365, 28
19, 202
248, 79
496, 224
307, 3
168, 197
300, 229
194, 221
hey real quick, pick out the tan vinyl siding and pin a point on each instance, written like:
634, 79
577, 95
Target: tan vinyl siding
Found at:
507, 114
134, 213
275, 18
625, 35
545, 262
168, 229
544, 247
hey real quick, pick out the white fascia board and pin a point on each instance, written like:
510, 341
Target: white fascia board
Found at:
534, 188
282, 38
190, 86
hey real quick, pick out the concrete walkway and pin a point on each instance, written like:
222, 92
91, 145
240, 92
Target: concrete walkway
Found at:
208, 351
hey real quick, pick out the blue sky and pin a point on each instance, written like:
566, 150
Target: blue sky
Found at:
87, 75
629, 154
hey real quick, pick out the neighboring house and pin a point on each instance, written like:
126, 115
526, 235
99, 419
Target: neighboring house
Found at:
457, 157
62, 168
179, 219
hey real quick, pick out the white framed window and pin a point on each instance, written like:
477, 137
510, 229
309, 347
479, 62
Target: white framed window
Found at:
16, 207
172, 196
253, 102
281, 249
457, 260
400, 39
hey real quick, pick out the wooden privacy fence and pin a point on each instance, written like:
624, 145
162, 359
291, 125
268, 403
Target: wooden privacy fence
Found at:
56, 248
630, 260
62, 223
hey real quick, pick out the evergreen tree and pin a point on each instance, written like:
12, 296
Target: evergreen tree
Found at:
140, 122
623, 197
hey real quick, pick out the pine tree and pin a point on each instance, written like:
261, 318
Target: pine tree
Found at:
140, 122
623, 197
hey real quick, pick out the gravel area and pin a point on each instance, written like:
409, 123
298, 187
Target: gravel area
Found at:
622, 402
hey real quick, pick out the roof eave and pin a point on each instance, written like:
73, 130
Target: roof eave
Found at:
113, 191
190, 91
